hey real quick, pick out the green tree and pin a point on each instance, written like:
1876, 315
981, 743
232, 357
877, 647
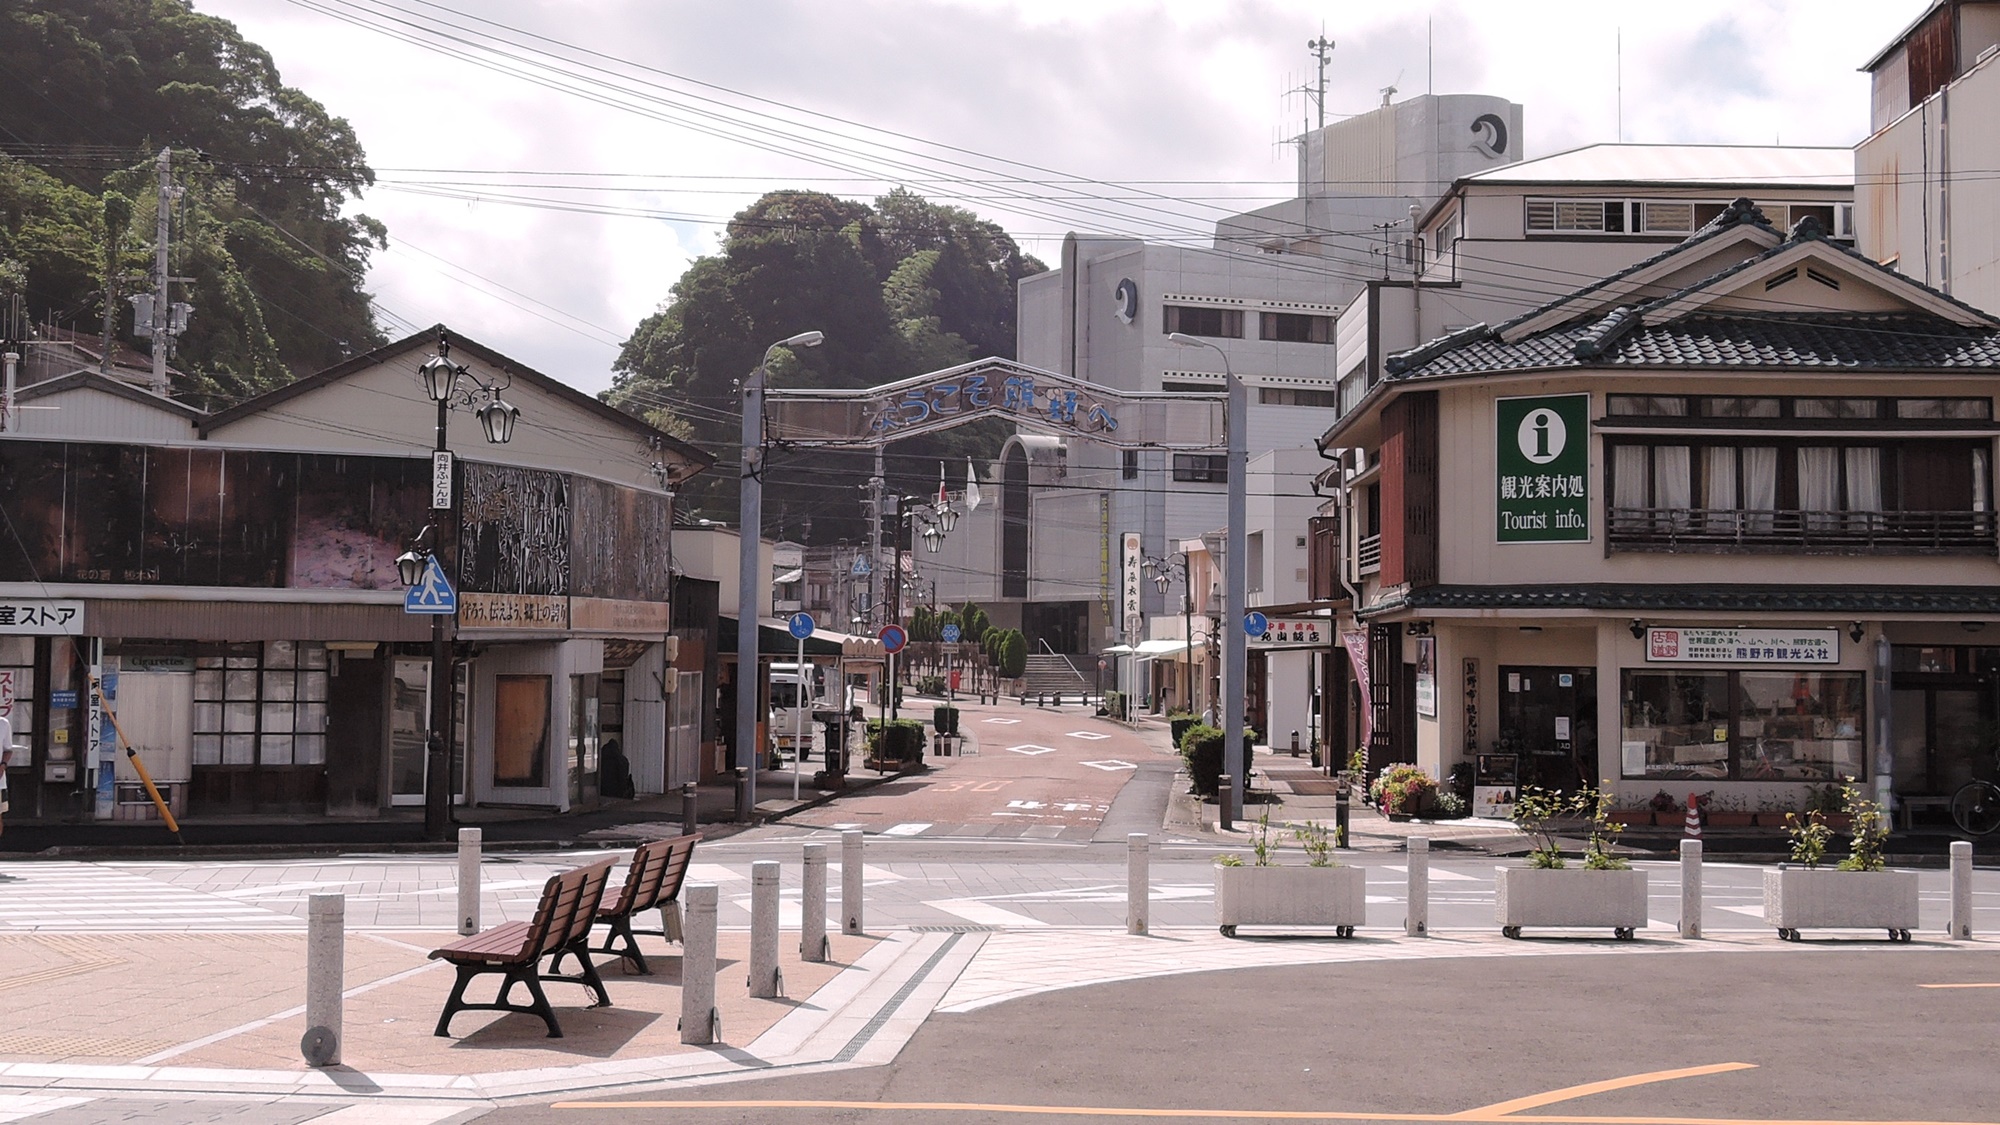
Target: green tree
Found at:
1013, 654
899, 288
96, 89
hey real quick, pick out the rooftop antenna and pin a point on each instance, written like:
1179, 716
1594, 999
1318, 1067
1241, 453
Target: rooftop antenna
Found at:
1321, 48
1619, 54
1430, 59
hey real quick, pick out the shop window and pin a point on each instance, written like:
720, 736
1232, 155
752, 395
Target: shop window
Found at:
521, 731
1743, 725
260, 704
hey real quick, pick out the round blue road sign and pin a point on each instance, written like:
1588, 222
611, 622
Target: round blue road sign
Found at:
893, 638
950, 634
1256, 624
802, 625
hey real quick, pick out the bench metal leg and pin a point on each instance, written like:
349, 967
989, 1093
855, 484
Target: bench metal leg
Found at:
587, 977
515, 974
620, 942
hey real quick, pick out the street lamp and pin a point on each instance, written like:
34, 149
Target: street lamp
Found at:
936, 519
1163, 572
1235, 654
749, 523
447, 384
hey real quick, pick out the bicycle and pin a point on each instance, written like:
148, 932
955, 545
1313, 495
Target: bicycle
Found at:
1975, 808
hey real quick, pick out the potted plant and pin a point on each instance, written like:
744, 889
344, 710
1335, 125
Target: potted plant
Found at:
1403, 791
1264, 893
1178, 723
1858, 893
1604, 891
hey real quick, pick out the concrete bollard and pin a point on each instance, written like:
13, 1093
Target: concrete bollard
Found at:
690, 808
326, 972
468, 880
700, 1022
812, 906
1138, 884
1961, 890
1417, 922
1690, 888
850, 881
1225, 817
765, 980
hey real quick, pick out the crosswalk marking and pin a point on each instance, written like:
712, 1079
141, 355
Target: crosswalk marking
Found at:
58, 896
1438, 874
905, 829
984, 913
388, 1113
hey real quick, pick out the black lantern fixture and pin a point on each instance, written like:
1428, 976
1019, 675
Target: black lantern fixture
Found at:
439, 374
497, 418
410, 567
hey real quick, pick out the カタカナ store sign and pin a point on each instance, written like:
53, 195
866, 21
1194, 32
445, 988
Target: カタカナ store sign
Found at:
1543, 466
1743, 646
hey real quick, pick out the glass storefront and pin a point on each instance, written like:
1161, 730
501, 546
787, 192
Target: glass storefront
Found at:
1761, 725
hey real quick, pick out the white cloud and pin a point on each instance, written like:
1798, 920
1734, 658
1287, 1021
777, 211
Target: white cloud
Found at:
1124, 91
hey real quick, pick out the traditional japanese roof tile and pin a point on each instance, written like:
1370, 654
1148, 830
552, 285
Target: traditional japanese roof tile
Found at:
1659, 598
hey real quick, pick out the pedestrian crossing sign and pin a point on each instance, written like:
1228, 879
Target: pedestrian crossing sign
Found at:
434, 594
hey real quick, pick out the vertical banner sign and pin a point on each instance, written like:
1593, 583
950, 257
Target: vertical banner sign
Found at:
1427, 680
1543, 470
104, 737
1356, 644
1471, 708
7, 692
1134, 560
440, 481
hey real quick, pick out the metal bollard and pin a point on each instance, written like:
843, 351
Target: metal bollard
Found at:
812, 906
1225, 818
743, 810
1961, 890
700, 1021
1340, 807
1138, 885
326, 953
1417, 922
690, 808
1295, 744
468, 880
765, 980
1690, 888
850, 881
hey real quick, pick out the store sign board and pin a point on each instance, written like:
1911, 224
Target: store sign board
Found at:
1743, 646
1290, 631
1133, 558
36, 617
1542, 490
512, 611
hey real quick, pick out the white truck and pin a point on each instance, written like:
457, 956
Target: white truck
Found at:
798, 700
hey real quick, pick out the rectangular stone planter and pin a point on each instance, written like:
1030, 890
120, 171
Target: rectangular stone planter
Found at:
1569, 896
1823, 898
1291, 896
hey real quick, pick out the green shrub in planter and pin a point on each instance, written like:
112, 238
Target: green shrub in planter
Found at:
903, 741
1114, 704
1178, 724
944, 720
930, 685
1201, 753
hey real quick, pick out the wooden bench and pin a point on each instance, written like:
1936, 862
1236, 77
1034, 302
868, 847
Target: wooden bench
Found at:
652, 881
515, 950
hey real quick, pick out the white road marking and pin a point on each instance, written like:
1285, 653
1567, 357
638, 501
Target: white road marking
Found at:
388, 1113
1089, 735
1438, 874
1002, 722
984, 913
14, 1107
1111, 765
905, 829
1031, 749
279, 888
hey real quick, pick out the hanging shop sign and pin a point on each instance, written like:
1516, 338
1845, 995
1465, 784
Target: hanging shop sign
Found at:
35, 617
1427, 680
1542, 494
1133, 558
1277, 631
1743, 646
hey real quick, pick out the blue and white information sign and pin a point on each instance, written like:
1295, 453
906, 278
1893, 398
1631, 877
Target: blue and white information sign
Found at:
434, 594
950, 634
802, 625
1256, 624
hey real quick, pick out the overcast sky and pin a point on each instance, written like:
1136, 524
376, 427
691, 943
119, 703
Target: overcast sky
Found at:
1171, 114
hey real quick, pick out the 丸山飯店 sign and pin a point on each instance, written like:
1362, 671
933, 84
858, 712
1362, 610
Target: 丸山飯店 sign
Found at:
1743, 646
1543, 465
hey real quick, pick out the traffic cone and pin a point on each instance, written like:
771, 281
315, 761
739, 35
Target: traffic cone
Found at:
1693, 831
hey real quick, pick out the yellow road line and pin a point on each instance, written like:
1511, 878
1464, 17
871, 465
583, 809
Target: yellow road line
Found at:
1995, 985
1537, 1101
1229, 1114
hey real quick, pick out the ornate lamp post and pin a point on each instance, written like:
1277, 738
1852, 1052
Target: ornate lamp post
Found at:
935, 520
1164, 571
449, 385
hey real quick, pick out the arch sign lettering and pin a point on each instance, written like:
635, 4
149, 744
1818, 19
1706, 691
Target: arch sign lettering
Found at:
1543, 465
1028, 396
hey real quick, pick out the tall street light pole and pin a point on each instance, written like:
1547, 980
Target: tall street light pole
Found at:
937, 519
1163, 571
750, 522
1235, 591
444, 382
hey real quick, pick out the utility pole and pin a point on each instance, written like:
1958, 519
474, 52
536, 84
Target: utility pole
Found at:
162, 230
1321, 48
875, 487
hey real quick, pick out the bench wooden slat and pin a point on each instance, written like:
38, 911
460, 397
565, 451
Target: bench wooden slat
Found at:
561, 925
653, 880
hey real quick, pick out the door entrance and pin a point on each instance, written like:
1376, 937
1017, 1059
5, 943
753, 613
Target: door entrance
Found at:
1549, 717
1941, 717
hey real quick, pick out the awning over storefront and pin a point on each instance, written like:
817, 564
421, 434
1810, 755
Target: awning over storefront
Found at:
774, 639
1153, 650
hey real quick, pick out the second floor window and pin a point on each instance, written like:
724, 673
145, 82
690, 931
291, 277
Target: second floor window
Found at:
1202, 468
1295, 328
1195, 320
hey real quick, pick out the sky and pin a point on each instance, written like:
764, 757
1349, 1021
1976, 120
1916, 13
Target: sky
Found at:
549, 168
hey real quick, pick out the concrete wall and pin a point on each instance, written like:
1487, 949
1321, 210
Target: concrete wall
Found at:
1925, 198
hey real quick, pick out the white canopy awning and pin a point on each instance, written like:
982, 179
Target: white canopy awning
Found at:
1153, 650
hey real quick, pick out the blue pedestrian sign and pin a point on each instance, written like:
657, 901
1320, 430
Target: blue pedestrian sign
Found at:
434, 594
802, 625
1256, 624
860, 567
950, 634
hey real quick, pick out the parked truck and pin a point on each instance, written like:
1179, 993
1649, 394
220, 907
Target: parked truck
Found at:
798, 700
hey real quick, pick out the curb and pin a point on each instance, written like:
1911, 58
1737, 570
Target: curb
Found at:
836, 794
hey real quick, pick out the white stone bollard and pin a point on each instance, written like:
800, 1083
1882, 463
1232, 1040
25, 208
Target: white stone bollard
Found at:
812, 906
1690, 888
850, 881
764, 978
700, 1022
1961, 890
326, 972
1138, 884
468, 880
1417, 923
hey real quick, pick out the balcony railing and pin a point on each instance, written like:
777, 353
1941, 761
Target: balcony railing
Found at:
1802, 532
1369, 554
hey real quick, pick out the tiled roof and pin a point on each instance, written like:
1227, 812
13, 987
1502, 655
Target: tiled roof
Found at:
1844, 340
1653, 598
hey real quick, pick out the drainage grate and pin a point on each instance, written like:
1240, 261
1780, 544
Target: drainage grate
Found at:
954, 929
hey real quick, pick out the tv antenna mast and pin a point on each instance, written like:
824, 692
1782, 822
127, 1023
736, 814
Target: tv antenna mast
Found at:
1321, 48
